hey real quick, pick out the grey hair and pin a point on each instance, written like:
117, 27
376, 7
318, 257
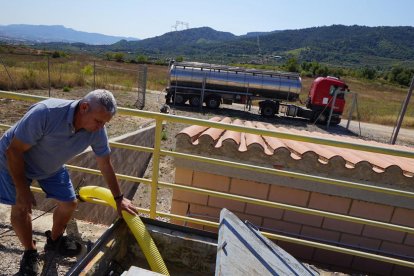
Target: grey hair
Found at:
102, 97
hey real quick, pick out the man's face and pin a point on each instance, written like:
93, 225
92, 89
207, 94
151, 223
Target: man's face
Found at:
95, 118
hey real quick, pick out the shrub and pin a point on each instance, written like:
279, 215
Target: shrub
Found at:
87, 70
119, 57
164, 135
142, 59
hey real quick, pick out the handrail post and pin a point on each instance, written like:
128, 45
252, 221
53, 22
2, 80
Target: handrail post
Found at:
155, 166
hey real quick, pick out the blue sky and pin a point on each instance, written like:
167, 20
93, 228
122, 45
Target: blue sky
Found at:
143, 19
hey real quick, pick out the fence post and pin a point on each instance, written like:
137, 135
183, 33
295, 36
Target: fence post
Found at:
8, 73
402, 113
94, 75
48, 71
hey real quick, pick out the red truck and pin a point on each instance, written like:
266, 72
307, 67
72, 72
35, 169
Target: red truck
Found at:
276, 92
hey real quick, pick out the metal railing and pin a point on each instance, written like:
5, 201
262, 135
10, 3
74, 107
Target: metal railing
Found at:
155, 183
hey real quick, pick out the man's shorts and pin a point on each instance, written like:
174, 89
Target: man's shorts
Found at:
58, 186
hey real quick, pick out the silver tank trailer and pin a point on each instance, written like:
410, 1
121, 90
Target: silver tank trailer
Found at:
219, 78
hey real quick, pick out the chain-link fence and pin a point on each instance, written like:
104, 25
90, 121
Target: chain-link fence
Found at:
122, 79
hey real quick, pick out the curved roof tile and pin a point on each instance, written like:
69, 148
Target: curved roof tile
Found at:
331, 158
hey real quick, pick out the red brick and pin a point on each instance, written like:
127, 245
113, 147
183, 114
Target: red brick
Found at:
371, 266
205, 211
194, 225
318, 233
255, 220
190, 197
211, 181
371, 211
359, 241
232, 205
403, 217
333, 258
398, 249
249, 188
211, 229
342, 226
264, 211
298, 251
329, 203
278, 225
288, 195
303, 218
183, 176
179, 208
383, 234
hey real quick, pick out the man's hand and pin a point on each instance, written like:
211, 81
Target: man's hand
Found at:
125, 204
122, 203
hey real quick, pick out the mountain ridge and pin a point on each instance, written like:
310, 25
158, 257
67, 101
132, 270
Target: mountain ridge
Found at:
55, 33
340, 44
337, 45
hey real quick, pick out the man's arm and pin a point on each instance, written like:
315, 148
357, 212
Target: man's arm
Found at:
122, 203
15, 161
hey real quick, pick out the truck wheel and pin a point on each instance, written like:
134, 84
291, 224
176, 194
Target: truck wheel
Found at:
268, 110
319, 118
213, 102
335, 121
179, 99
195, 101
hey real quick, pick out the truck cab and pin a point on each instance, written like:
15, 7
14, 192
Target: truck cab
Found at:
321, 97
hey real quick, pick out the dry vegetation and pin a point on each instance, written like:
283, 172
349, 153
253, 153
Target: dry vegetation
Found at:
377, 103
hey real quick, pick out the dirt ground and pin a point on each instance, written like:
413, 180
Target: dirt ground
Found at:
11, 111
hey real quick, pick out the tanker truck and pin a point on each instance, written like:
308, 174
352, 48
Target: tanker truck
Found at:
276, 92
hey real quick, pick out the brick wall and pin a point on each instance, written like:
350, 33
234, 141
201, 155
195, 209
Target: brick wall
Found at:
297, 224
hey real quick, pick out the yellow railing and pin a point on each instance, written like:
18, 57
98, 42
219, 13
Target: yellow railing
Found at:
158, 152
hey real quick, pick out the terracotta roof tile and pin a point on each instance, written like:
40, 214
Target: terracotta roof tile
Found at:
291, 153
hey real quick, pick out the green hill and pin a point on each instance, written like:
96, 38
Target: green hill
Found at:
336, 45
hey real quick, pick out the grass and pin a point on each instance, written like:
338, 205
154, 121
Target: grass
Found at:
377, 102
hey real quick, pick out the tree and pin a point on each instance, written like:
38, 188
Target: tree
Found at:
368, 73
119, 57
108, 56
142, 59
400, 75
291, 65
179, 59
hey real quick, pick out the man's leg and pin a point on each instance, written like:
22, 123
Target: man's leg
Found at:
22, 225
61, 216
54, 239
59, 186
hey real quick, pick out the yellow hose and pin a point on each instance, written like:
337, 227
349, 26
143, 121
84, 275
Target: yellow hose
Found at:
134, 223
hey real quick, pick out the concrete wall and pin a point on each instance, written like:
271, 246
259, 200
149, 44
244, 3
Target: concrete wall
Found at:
304, 194
124, 161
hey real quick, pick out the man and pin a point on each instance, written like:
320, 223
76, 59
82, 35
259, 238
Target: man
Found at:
36, 148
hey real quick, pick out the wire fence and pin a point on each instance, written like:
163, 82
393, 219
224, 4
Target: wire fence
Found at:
31, 72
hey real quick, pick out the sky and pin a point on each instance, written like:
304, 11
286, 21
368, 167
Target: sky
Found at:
144, 19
